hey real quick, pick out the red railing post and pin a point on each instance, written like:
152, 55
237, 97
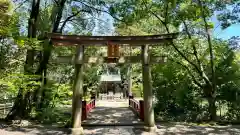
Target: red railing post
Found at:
94, 99
89, 106
84, 110
141, 109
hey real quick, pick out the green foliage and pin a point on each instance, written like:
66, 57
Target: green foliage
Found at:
137, 89
177, 96
179, 85
10, 84
5, 17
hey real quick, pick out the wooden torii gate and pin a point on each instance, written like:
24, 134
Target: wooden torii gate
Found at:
79, 59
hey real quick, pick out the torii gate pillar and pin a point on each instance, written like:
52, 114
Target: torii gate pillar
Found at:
149, 121
78, 93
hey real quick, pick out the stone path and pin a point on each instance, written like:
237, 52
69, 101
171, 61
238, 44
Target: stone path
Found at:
116, 113
166, 129
111, 113
163, 129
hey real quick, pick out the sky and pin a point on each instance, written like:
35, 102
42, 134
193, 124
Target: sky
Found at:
233, 30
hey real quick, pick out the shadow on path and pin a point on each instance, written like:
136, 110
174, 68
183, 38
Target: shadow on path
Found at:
163, 129
34, 129
115, 118
188, 129
111, 113
111, 116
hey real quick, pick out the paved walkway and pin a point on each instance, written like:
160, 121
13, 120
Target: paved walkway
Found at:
116, 113
111, 113
163, 129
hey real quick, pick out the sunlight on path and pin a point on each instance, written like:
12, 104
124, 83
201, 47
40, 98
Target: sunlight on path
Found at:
112, 103
109, 131
114, 118
163, 129
111, 113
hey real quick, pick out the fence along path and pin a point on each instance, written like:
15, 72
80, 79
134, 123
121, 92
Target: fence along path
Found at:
111, 113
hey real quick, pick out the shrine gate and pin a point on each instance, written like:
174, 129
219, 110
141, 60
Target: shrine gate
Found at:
113, 43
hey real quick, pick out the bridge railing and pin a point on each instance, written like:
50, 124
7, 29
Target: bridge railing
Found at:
87, 107
137, 107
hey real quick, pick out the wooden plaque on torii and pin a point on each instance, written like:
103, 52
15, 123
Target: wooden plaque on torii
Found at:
112, 52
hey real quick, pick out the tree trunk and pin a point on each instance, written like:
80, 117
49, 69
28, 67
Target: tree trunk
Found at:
56, 18
212, 108
23, 104
211, 97
16, 107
